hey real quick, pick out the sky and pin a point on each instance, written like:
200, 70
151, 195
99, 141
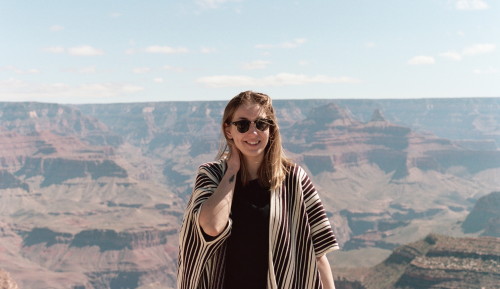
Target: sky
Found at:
115, 51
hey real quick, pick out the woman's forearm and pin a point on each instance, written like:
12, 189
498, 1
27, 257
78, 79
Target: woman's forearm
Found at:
325, 273
214, 214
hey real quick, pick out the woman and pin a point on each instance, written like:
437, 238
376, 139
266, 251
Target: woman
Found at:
254, 219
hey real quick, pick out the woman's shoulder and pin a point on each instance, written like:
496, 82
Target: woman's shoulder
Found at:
294, 170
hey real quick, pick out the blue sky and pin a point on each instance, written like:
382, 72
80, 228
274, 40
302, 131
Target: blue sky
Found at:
139, 51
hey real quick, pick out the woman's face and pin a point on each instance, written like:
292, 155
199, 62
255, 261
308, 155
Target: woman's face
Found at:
253, 142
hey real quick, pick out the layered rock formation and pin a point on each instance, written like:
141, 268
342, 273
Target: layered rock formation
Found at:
485, 216
384, 165
79, 207
102, 258
473, 121
92, 196
439, 262
329, 136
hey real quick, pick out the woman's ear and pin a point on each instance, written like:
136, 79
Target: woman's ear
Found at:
227, 131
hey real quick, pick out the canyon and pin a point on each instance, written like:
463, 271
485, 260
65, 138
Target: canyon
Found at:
92, 196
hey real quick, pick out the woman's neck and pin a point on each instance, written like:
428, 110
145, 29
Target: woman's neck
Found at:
253, 166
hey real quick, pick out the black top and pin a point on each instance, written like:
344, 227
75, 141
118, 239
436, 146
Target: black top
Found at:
248, 244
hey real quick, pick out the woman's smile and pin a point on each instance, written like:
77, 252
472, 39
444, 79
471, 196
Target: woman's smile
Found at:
253, 143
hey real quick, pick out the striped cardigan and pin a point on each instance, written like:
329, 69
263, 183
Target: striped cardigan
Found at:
299, 232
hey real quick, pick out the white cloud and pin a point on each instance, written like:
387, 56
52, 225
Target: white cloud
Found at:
96, 89
84, 50
130, 51
479, 49
158, 80
17, 70
115, 15
19, 90
166, 49
257, 64
83, 70
141, 70
207, 50
490, 70
213, 3
31, 71
421, 60
10, 85
128, 88
56, 28
226, 81
290, 44
370, 44
281, 79
471, 5
452, 55
55, 49
173, 68
469, 51
294, 43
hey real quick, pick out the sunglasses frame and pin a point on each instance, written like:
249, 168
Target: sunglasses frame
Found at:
258, 124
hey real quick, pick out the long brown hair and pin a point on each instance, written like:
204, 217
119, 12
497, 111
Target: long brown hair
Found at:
275, 164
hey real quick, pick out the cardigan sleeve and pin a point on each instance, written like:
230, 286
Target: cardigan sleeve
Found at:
324, 240
194, 248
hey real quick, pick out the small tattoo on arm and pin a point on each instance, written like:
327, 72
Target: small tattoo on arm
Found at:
231, 179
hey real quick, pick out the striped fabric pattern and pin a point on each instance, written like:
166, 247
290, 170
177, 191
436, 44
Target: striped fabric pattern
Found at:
299, 233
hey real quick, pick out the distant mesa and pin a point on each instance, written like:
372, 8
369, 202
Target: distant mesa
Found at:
56, 142
330, 115
105, 239
378, 116
484, 216
59, 170
330, 137
31, 118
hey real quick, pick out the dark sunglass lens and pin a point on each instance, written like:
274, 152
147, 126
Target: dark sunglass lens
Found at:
243, 125
261, 125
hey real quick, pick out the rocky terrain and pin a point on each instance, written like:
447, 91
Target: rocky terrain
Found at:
485, 216
437, 261
92, 196
76, 211
6, 281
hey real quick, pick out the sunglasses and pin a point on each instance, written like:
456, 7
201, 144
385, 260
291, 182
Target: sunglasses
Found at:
244, 125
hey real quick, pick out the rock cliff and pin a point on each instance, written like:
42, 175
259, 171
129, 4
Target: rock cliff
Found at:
440, 262
485, 216
106, 258
92, 196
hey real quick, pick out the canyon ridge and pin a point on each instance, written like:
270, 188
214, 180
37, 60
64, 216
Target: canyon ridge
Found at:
92, 196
